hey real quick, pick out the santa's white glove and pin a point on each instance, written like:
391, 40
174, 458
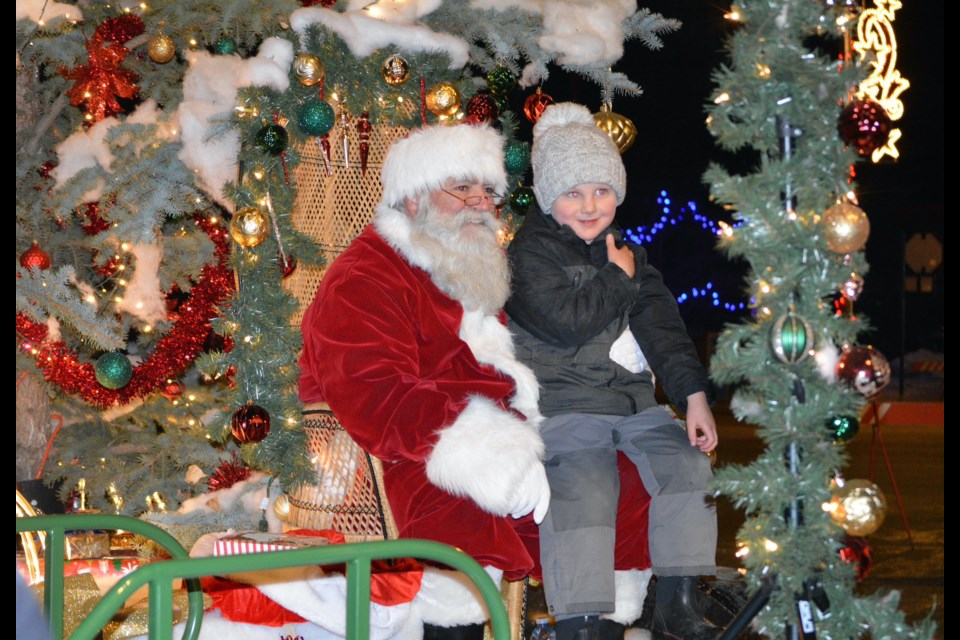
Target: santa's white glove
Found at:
494, 458
533, 494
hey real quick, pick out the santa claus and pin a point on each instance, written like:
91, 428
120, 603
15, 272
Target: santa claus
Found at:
406, 342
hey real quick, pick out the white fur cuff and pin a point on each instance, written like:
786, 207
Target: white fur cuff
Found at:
485, 455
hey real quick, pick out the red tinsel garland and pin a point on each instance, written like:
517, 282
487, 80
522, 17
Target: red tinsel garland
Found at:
172, 355
121, 28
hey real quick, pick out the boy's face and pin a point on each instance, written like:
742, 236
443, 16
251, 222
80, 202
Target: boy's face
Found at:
587, 208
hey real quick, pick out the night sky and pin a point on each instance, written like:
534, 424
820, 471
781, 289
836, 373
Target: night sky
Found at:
673, 148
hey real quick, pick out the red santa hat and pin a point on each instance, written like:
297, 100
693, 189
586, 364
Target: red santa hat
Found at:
427, 157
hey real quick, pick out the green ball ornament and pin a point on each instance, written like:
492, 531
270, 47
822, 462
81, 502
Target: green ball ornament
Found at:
272, 139
521, 199
113, 370
225, 46
791, 338
516, 157
316, 117
501, 81
843, 428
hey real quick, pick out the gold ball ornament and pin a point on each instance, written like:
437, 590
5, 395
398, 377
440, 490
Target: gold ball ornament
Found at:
620, 128
308, 69
249, 227
845, 227
395, 70
859, 507
443, 99
161, 49
281, 508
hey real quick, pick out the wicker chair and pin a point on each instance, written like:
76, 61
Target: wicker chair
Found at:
349, 497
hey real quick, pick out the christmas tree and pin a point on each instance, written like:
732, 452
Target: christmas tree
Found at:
788, 98
160, 165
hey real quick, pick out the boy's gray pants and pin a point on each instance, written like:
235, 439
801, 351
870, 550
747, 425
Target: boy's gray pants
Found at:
577, 534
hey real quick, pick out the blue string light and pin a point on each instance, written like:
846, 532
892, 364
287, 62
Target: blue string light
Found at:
644, 235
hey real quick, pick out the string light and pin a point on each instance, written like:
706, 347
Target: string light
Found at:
669, 219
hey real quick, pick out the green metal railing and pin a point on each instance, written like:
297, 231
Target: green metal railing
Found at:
159, 576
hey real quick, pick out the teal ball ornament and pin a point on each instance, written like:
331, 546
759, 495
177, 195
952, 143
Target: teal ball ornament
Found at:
791, 338
316, 117
843, 428
113, 370
272, 139
501, 81
225, 46
516, 157
521, 199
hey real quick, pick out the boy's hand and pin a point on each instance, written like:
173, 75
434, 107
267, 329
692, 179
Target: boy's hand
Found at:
621, 257
701, 427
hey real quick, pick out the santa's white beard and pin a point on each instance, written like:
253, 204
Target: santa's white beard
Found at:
468, 263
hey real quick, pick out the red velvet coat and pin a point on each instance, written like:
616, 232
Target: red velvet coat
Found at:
382, 346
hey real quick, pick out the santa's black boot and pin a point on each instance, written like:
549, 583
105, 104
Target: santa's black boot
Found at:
578, 628
462, 632
678, 614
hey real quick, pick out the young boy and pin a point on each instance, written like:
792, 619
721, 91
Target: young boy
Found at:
592, 318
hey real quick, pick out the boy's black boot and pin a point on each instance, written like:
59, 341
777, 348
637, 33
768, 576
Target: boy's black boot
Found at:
610, 630
678, 614
462, 632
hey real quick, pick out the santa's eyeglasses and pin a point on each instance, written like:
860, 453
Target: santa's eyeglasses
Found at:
472, 201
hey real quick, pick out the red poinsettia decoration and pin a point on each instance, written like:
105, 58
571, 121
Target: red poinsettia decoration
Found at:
102, 81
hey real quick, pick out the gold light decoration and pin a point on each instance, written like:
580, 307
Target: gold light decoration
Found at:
859, 507
249, 227
877, 41
620, 128
161, 49
443, 99
308, 69
395, 70
845, 227
281, 508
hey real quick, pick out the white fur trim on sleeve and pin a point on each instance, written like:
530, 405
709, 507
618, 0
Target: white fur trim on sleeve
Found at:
491, 343
485, 456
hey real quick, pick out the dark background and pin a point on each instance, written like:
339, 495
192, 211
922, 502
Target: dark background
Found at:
673, 149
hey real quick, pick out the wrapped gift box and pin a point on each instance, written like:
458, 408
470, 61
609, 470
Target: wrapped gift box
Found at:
87, 544
258, 542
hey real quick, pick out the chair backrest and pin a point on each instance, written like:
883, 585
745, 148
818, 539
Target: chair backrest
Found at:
159, 576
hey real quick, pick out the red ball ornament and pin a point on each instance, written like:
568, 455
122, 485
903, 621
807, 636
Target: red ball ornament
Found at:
865, 369
35, 258
535, 104
250, 423
288, 264
865, 125
857, 552
172, 390
482, 109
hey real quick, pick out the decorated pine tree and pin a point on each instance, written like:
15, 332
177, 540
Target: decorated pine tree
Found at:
164, 151
796, 367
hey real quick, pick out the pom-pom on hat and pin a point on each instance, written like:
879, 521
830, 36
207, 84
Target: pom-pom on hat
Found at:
569, 149
427, 157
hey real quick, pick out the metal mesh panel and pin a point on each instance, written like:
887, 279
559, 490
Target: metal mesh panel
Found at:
334, 207
347, 494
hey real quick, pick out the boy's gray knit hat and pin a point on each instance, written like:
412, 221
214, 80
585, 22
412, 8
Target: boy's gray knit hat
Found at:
570, 149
